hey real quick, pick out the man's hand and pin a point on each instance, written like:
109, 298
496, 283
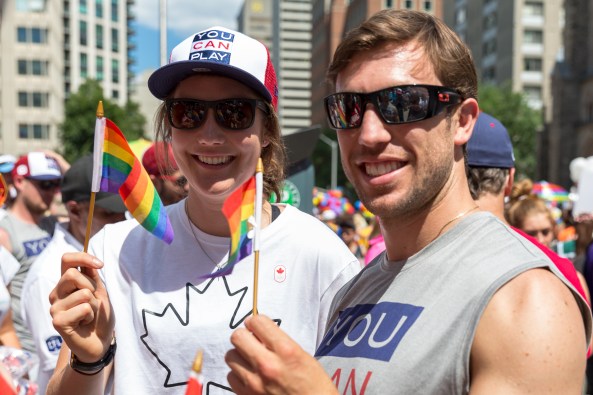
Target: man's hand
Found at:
266, 360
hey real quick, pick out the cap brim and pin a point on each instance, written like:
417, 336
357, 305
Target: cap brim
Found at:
111, 202
47, 177
162, 82
6, 167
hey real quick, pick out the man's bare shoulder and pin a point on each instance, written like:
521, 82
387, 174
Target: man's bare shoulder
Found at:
531, 337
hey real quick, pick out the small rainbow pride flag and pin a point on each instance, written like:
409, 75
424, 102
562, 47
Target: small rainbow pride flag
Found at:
239, 209
116, 169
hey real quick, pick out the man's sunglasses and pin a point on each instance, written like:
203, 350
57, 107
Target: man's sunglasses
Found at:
46, 185
233, 114
396, 105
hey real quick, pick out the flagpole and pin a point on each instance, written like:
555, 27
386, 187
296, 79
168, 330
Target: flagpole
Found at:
97, 152
258, 211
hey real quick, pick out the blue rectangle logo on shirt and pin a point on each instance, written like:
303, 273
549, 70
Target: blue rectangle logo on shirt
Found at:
35, 247
369, 331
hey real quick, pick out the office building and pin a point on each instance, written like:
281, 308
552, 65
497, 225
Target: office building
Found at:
285, 27
47, 50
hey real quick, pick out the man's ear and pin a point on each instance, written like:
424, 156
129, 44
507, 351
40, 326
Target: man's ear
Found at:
74, 210
18, 182
508, 187
468, 114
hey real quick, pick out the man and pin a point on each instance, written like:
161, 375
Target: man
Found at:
458, 302
168, 181
45, 272
36, 178
491, 164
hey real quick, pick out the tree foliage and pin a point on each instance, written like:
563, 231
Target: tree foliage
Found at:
77, 131
521, 121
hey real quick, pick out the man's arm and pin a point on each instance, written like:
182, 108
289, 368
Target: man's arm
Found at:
531, 338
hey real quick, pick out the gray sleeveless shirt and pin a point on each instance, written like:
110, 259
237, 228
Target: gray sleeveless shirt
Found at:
407, 327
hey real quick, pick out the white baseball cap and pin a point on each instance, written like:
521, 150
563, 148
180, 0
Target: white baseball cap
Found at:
220, 51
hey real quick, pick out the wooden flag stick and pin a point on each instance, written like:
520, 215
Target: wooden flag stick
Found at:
89, 222
258, 210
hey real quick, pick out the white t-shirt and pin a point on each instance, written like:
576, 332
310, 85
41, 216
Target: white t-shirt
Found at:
42, 277
9, 265
164, 311
8, 268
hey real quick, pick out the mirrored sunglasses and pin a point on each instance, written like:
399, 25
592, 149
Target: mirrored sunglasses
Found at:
396, 105
233, 114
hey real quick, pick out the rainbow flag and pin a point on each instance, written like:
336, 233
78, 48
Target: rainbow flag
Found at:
117, 170
239, 209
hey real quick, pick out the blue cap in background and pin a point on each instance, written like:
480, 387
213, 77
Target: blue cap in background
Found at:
490, 144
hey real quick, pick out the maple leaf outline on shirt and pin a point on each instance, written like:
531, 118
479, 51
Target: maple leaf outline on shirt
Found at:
170, 314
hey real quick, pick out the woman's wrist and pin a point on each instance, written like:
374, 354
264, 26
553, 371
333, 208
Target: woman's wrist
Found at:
93, 368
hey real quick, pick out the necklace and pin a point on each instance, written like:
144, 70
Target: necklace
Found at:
454, 219
191, 227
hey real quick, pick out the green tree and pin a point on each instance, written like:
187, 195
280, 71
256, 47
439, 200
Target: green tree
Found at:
521, 121
77, 131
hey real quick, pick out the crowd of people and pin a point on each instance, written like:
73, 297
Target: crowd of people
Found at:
459, 281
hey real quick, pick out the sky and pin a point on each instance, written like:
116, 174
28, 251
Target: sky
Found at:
184, 17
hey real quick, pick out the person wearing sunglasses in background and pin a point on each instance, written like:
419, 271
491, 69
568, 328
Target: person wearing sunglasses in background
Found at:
159, 162
458, 303
152, 299
36, 178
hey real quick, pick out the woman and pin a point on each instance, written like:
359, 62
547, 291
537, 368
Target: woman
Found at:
219, 116
530, 214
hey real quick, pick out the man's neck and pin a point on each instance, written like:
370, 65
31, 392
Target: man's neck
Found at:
492, 203
20, 211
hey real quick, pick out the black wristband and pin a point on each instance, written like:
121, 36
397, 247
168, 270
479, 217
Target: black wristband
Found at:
90, 369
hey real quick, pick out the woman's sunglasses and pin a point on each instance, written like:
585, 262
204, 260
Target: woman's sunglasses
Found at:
396, 105
233, 114
544, 232
46, 185
180, 181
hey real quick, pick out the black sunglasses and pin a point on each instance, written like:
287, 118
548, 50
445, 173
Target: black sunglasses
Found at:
533, 233
233, 114
179, 181
397, 104
46, 185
